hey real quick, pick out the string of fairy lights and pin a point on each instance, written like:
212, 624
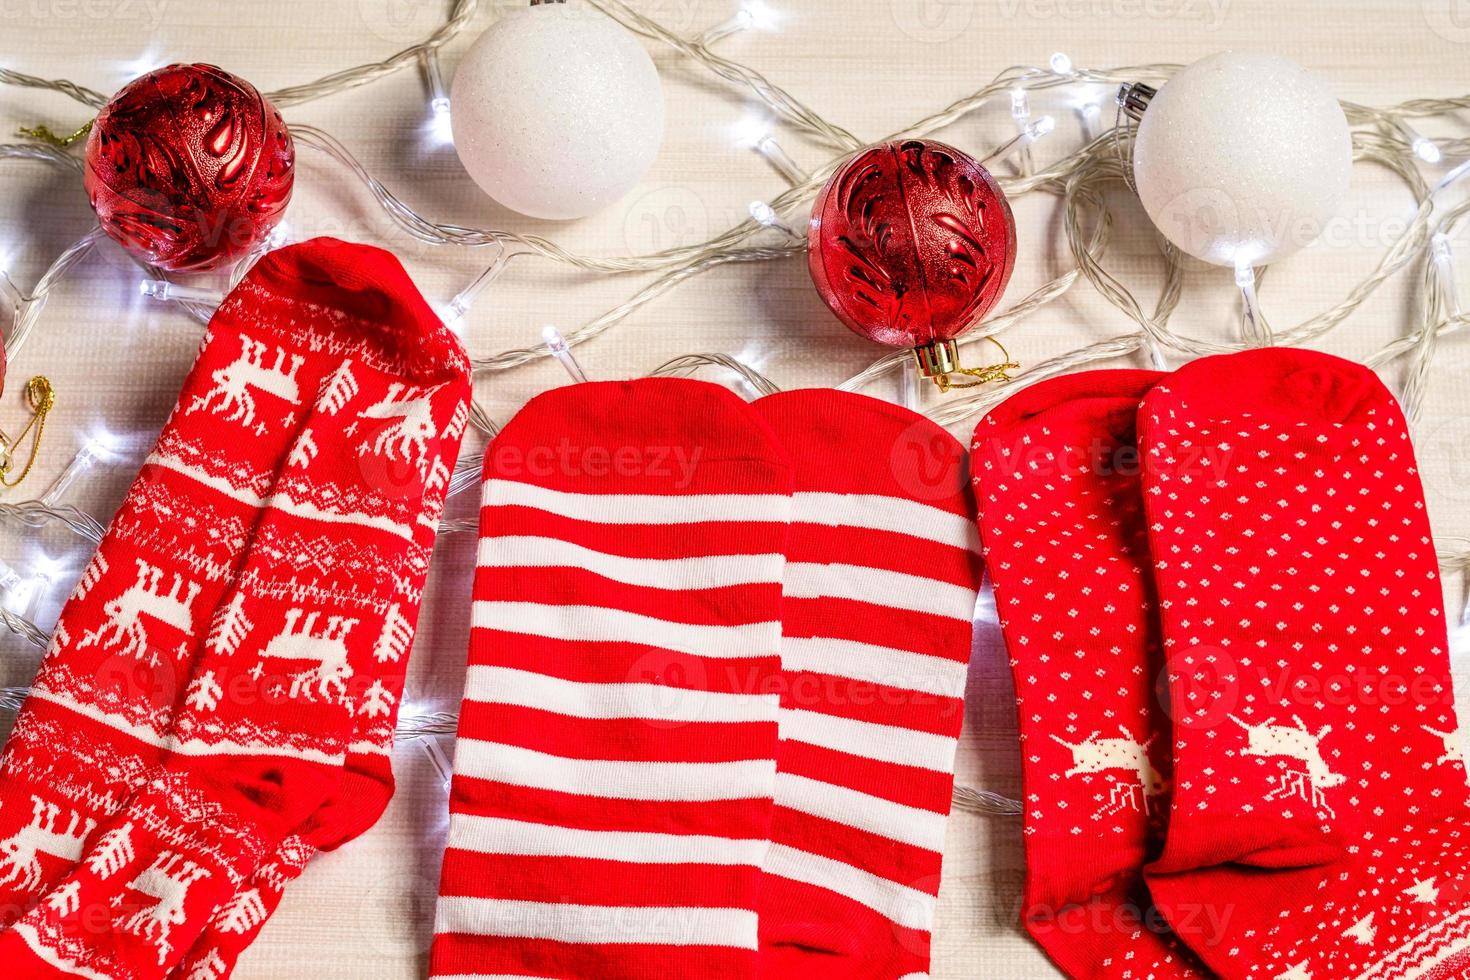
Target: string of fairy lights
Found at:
1390, 137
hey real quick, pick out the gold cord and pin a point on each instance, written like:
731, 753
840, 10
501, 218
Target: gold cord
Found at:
43, 134
988, 374
41, 397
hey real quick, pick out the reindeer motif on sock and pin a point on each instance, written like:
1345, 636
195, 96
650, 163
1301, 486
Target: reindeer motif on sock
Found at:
301, 640
233, 382
413, 408
20, 853
1298, 744
145, 597
1451, 739
1096, 754
168, 879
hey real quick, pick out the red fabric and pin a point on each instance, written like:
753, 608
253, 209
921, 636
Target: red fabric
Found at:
1282, 555
268, 564
881, 563
1061, 517
1315, 729
614, 768
599, 827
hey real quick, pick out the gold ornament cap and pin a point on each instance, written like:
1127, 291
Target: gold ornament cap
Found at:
940, 359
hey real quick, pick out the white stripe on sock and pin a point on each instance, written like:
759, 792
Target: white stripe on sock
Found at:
870, 740
53, 957
279, 501
194, 746
579, 699
599, 624
897, 903
881, 513
631, 508
895, 821
615, 779
497, 835
896, 590
704, 572
567, 923
901, 669
1426, 950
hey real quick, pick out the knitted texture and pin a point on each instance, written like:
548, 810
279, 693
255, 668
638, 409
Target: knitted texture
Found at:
289, 668
1317, 803
881, 574
616, 755
1320, 795
1061, 516
622, 806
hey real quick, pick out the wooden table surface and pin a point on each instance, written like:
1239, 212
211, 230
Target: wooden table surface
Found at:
873, 66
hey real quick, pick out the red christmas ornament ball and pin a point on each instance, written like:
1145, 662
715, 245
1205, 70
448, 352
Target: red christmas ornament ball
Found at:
912, 243
188, 167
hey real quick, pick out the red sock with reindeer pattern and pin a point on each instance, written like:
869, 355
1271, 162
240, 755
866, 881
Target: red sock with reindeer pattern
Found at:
1320, 801
285, 716
1061, 521
102, 702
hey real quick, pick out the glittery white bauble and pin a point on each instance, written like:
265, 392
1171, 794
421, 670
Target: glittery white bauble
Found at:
1243, 158
557, 111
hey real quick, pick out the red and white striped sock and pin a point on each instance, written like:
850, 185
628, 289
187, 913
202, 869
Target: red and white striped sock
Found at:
614, 770
1061, 516
881, 575
304, 657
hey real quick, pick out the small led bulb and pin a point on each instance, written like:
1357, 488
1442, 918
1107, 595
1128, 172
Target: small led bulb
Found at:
441, 124
1020, 104
1041, 127
1427, 150
766, 216
560, 350
780, 160
163, 291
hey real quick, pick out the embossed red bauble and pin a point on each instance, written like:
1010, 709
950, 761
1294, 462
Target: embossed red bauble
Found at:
189, 167
912, 243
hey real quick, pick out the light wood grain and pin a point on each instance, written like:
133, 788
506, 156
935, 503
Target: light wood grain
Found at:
365, 913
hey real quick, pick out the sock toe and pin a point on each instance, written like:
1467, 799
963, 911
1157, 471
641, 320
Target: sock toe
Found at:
903, 454
1274, 383
1094, 400
660, 435
360, 299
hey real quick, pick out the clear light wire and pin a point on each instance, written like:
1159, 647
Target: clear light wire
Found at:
1383, 136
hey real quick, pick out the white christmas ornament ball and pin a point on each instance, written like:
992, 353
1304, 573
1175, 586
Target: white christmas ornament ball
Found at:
1243, 158
557, 111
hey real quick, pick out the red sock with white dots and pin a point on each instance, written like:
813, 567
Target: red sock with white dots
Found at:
1319, 797
1056, 476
